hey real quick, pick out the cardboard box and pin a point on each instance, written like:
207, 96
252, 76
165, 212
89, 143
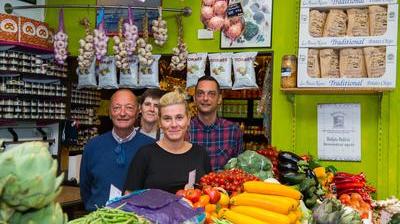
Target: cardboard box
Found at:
388, 80
8, 28
389, 38
339, 3
42, 34
50, 39
33, 32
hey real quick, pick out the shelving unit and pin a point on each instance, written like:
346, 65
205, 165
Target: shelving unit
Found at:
344, 91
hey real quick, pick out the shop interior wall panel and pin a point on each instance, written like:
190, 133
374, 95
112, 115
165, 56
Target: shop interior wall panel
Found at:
287, 125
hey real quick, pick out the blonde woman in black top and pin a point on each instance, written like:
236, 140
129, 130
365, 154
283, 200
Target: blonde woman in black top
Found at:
167, 163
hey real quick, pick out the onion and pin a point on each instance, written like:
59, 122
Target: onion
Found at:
233, 27
208, 2
216, 23
207, 12
220, 8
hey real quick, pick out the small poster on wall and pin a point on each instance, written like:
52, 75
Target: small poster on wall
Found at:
339, 132
257, 15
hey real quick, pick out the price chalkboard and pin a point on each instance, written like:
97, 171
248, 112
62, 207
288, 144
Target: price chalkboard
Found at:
234, 9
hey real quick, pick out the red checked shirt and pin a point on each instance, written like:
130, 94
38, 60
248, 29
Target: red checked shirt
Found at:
223, 140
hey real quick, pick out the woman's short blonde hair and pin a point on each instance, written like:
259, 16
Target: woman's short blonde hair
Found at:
177, 96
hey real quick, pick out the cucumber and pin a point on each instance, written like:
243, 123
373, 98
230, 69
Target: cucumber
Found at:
293, 178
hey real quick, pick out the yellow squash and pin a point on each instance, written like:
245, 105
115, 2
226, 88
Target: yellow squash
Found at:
271, 188
262, 214
292, 203
247, 200
238, 218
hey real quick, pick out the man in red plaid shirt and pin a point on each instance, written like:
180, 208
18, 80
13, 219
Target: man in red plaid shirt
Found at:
223, 139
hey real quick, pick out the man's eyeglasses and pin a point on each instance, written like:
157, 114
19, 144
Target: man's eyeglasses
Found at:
118, 108
210, 94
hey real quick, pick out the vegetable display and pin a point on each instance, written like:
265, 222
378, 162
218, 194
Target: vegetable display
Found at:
179, 59
86, 49
160, 30
346, 183
110, 215
130, 33
253, 163
60, 40
210, 198
100, 38
233, 27
390, 206
144, 49
265, 203
120, 52
331, 211
230, 180
29, 185
294, 170
157, 206
52, 213
272, 154
213, 13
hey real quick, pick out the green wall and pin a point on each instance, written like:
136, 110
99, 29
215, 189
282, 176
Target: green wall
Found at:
294, 121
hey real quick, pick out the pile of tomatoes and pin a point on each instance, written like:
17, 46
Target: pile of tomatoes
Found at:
230, 180
272, 154
209, 199
356, 201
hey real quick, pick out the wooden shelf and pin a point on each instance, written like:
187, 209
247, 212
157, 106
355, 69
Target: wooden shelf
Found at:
341, 91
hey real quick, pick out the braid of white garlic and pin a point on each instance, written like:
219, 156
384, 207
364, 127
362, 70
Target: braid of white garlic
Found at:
131, 34
178, 61
144, 49
86, 49
160, 30
120, 52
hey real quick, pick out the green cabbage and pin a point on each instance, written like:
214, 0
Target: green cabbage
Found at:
253, 163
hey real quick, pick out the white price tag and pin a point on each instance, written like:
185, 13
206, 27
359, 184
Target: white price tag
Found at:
114, 192
191, 180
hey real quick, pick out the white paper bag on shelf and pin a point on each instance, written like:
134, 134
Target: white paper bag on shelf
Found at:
130, 79
148, 76
107, 73
87, 79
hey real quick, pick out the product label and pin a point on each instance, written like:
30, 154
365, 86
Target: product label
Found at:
286, 72
234, 9
191, 179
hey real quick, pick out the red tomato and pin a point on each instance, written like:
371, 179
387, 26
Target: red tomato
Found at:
181, 193
193, 195
214, 194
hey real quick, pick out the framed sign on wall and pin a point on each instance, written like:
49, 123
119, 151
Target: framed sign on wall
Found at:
29, 1
258, 22
112, 15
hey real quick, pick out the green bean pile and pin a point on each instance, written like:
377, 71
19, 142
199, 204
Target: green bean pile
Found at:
109, 216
